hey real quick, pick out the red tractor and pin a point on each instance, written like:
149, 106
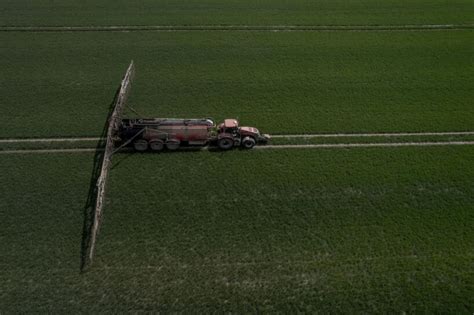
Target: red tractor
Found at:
171, 133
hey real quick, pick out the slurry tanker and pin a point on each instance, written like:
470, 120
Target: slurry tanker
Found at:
157, 134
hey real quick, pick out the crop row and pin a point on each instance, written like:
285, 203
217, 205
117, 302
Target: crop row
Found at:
212, 12
366, 229
283, 82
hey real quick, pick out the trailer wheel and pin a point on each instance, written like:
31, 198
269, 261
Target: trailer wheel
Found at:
156, 145
225, 143
248, 142
140, 145
172, 145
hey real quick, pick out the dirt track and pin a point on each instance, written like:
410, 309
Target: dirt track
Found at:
270, 28
37, 140
316, 135
272, 147
386, 134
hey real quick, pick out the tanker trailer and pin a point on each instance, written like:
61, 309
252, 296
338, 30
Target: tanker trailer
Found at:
156, 134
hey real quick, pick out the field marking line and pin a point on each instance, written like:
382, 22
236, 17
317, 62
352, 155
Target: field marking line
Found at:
381, 134
316, 135
33, 140
281, 146
173, 28
364, 145
49, 151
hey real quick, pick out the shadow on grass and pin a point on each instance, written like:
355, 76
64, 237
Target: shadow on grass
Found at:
89, 208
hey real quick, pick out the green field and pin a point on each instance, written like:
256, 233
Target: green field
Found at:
360, 230
286, 82
365, 230
234, 12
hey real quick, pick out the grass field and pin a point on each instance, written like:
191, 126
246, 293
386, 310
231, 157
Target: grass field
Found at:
234, 12
283, 82
360, 230
366, 230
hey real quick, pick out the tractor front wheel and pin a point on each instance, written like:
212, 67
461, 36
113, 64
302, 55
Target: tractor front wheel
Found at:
225, 143
248, 142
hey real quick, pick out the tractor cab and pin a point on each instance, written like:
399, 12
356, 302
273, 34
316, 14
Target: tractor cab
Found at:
230, 126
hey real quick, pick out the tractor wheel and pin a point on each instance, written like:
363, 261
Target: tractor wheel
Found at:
248, 142
172, 145
225, 143
156, 145
140, 145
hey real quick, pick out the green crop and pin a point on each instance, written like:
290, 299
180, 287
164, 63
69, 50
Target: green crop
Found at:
234, 12
284, 82
359, 230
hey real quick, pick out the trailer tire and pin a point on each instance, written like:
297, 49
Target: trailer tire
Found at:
172, 145
248, 142
140, 145
156, 145
225, 143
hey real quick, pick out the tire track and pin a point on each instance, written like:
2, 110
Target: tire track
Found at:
386, 134
365, 145
315, 135
266, 147
38, 140
34, 151
271, 28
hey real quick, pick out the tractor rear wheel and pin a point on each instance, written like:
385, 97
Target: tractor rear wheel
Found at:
172, 145
248, 142
140, 145
225, 143
156, 145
